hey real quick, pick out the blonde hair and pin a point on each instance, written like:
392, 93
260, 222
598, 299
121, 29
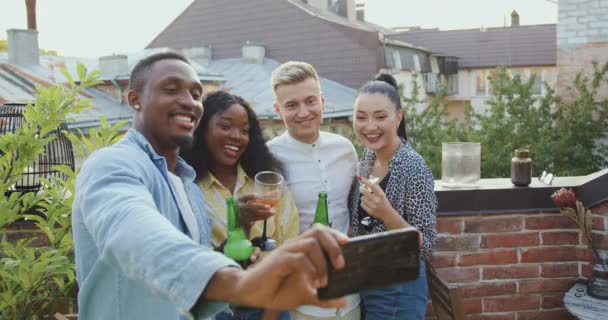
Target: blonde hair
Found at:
292, 72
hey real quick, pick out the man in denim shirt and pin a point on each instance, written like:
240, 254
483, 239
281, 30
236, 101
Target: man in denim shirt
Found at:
140, 233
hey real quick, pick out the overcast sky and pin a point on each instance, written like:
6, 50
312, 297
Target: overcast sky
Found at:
92, 28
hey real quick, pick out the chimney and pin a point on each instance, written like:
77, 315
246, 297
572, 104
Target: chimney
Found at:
360, 9
253, 54
23, 44
351, 10
23, 47
201, 55
514, 19
30, 6
114, 65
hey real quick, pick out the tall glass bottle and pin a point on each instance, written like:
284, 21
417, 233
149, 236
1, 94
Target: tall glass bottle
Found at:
321, 214
237, 246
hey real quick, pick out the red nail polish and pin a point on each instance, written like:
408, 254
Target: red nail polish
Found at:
359, 178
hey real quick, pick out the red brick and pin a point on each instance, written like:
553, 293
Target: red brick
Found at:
600, 240
560, 238
459, 275
453, 226
546, 285
554, 254
511, 272
492, 257
498, 316
601, 209
559, 270
472, 306
553, 301
516, 240
584, 254
440, 260
489, 225
598, 223
586, 270
457, 243
557, 314
545, 222
516, 303
489, 289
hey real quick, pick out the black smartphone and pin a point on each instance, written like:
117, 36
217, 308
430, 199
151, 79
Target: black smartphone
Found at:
375, 261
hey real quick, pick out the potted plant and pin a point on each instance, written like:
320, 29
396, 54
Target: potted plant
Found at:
565, 199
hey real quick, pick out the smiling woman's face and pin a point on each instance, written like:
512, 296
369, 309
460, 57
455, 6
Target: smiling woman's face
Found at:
227, 135
375, 121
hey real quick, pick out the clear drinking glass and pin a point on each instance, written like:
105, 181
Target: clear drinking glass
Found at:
364, 170
460, 164
268, 190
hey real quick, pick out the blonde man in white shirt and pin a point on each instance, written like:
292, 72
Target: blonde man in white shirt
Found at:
314, 161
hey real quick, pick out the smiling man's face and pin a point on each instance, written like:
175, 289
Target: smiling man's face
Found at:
300, 105
169, 104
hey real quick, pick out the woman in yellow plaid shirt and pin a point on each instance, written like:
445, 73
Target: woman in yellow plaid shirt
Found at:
227, 152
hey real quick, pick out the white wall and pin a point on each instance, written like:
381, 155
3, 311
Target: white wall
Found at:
467, 83
582, 22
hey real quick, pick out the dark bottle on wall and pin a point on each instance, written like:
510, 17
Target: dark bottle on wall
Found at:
521, 168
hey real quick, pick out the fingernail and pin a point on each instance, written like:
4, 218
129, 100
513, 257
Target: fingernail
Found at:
266, 206
340, 261
359, 178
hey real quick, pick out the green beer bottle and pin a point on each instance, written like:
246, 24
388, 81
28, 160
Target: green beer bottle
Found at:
237, 246
321, 215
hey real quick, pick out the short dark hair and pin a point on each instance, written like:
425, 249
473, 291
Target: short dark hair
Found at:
257, 156
144, 65
387, 85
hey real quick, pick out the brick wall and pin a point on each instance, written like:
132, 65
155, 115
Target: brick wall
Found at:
515, 266
582, 37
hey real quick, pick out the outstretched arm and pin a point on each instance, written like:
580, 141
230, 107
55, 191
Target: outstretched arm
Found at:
287, 278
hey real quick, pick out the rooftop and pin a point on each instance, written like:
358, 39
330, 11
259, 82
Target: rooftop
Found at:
533, 45
252, 82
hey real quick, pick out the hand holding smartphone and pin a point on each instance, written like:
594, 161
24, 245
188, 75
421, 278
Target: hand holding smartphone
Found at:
375, 261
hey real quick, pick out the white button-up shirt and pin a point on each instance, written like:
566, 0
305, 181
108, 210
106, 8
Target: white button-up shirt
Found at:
328, 164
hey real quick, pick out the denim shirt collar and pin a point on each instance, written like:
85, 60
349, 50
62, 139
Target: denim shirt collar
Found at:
182, 169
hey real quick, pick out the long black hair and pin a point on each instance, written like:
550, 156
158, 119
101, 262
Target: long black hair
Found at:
387, 85
255, 158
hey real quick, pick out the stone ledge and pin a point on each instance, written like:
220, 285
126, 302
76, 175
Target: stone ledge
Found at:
493, 196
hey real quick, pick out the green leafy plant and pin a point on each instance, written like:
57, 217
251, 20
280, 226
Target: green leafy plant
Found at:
37, 273
428, 124
566, 134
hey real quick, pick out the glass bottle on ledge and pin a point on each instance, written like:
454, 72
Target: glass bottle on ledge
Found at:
237, 246
321, 214
521, 168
